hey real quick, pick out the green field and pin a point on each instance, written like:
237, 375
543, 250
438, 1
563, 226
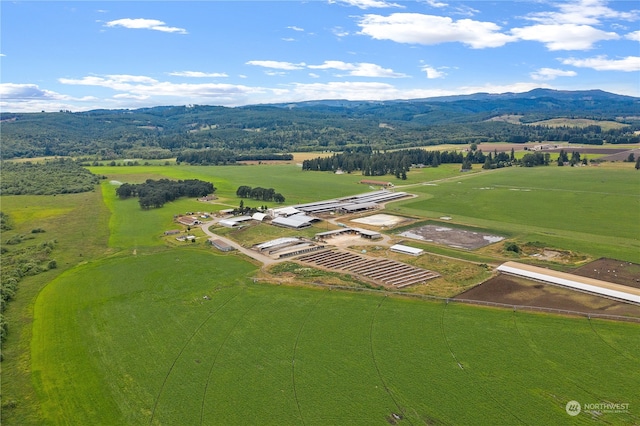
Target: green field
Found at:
588, 209
130, 340
121, 333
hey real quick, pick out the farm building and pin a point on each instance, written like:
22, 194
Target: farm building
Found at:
283, 212
220, 245
399, 248
287, 247
297, 221
357, 207
278, 242
189, 220
259, 216
172, 232
234, 221
376, 183
365, 233
589, 285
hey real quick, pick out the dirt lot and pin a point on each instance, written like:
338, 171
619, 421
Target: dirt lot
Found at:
452, 237
518, 291
611, 270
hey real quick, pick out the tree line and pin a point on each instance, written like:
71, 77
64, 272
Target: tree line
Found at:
215, 157
260, 194
155, 193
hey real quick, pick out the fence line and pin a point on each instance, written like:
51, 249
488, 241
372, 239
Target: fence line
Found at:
589, 315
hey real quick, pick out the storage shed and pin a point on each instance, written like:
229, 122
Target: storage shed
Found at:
399, 248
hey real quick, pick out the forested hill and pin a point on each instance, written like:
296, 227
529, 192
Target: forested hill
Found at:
165, 132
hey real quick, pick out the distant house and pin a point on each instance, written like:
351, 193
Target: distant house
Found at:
376, 183
172, 232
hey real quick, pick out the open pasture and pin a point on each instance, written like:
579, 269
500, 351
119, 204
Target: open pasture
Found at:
595, 210
131, 340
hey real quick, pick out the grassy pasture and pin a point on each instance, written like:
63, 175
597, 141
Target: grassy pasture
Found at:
130, 340
296, 186
589, 209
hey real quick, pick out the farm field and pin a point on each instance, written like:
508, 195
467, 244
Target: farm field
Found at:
587, 209
270, 354
122, 332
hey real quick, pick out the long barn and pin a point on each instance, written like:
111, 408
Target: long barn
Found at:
576, 282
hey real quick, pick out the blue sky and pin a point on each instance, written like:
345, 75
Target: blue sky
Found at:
118, 54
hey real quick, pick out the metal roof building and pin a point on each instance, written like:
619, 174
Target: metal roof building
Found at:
296, 221
234, 221
590, 285
399, 248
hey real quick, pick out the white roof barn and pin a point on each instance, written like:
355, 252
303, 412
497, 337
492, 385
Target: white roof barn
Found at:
399, 248
296, 221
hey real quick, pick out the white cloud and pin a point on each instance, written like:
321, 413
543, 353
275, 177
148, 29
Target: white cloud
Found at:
275, 73
564, 36
359, 69
367, 4
30, 98
142, 86
289, 39
582, 12
277, 65
434, 3
633, 36
294, 28
144, 24
551, 73
417, 28
339, 32
2, 55
198, 74
25, 91
602, 63
432, 72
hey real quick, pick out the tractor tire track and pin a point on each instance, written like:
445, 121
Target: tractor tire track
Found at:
293, 356
166, 377
537, 353
489, 394
616, 350
375, 363
215, 358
